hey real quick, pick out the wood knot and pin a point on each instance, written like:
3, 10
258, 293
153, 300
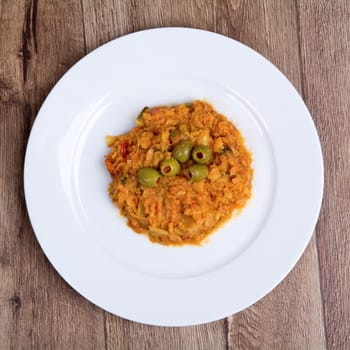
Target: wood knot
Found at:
16, 301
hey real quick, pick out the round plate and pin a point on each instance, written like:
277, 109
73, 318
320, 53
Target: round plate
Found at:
82, 232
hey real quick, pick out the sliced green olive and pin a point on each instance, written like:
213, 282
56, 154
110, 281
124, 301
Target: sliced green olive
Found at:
182, 151
169, 167
148, 177
202, 154
197, 172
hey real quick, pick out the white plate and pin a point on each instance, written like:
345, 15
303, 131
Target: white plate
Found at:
81, 231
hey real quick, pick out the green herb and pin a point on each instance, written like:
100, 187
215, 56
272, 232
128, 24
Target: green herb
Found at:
124, 180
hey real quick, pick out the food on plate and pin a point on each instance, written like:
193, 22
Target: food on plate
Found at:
179, 173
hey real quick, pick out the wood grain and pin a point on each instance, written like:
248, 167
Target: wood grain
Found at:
38, 309
11, 127
309, 40
325, 49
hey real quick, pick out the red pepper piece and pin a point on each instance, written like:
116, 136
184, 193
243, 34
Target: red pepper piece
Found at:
124, 149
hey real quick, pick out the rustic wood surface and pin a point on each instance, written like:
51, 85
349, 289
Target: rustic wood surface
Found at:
309, 40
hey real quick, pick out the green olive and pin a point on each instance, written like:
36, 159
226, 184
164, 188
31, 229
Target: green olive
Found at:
182, 151
202, 154
169, 167
197, 172
148, 177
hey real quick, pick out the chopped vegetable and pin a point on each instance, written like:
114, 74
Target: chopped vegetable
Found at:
140, 121
124, 149
110, 140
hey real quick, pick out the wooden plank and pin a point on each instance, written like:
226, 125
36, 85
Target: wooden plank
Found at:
291, 315
325, 48
123, 334
11, 151
39, 42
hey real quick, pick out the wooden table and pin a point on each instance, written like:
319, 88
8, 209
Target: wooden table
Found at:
309, 40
